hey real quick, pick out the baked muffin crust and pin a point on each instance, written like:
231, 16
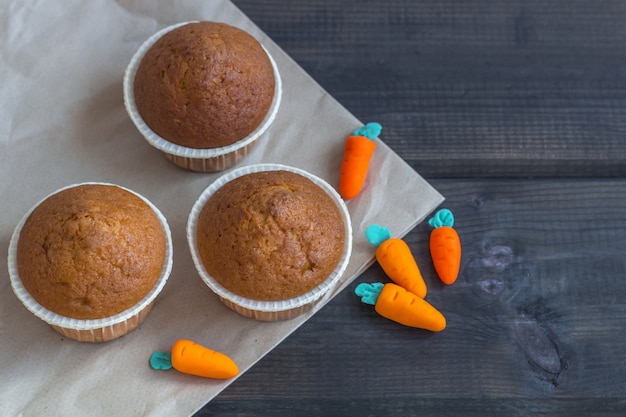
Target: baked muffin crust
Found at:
270, 235
204, 85
90, 251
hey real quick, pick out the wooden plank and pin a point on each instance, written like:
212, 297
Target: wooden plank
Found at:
535, 320
480, 88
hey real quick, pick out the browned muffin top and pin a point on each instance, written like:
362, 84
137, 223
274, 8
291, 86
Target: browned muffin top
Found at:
90, 251
204, 85
270, 235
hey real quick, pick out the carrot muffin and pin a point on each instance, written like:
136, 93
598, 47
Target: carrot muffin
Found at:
90, 251
270, 235
204, 85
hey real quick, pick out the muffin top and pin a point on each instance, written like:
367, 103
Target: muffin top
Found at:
270, 235
90, 251
204, 85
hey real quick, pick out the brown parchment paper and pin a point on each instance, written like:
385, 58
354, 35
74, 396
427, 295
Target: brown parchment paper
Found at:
63, 121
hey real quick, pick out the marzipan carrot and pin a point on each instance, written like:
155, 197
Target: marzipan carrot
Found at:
445, 246
396, 259
395, 303
358, 151
191, 358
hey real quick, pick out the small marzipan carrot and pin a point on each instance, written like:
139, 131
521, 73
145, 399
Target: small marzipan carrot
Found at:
397, 304
396, 259
445, 246
191, 358
357, 153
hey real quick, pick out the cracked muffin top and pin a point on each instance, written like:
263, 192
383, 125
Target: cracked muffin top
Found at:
204, 85
270, 235
90, 251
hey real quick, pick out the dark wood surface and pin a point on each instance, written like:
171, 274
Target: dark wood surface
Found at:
516, 112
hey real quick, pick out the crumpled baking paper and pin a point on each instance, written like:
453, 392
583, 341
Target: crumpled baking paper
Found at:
63, 121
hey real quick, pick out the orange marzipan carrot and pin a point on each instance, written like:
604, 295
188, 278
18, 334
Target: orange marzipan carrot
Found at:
358, 152
396, 259
406, 308
395, 303
445, 246
192, 358
445, 249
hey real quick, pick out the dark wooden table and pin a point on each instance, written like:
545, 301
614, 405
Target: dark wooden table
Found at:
516, 112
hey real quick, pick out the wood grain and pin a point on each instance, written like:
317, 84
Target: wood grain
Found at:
478, 88
535, 320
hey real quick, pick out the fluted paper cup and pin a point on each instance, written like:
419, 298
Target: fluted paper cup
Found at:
269, 310
202, 160
91, 330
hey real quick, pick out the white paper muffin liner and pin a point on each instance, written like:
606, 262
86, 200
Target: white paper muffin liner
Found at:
92, 330
203, 160
268, 310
